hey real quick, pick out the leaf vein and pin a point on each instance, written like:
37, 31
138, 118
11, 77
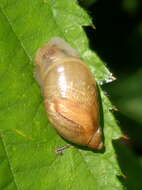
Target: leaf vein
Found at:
8, 159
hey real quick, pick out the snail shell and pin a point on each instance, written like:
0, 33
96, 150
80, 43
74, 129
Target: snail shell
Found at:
70, 93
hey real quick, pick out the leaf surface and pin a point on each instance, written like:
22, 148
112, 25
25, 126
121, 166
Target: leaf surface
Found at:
27, 139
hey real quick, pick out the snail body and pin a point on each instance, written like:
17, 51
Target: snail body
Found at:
70, 93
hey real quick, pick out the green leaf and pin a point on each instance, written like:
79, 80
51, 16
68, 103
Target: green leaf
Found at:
27, 140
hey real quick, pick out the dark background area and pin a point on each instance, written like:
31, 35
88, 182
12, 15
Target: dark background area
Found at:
117, 39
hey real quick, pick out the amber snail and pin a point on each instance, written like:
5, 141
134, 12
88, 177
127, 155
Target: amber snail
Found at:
70, 92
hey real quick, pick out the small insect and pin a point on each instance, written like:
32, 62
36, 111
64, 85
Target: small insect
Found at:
70, 93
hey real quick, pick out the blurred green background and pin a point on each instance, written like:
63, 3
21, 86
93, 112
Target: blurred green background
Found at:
118, 41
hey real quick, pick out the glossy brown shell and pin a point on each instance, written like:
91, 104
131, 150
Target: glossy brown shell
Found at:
70, 93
